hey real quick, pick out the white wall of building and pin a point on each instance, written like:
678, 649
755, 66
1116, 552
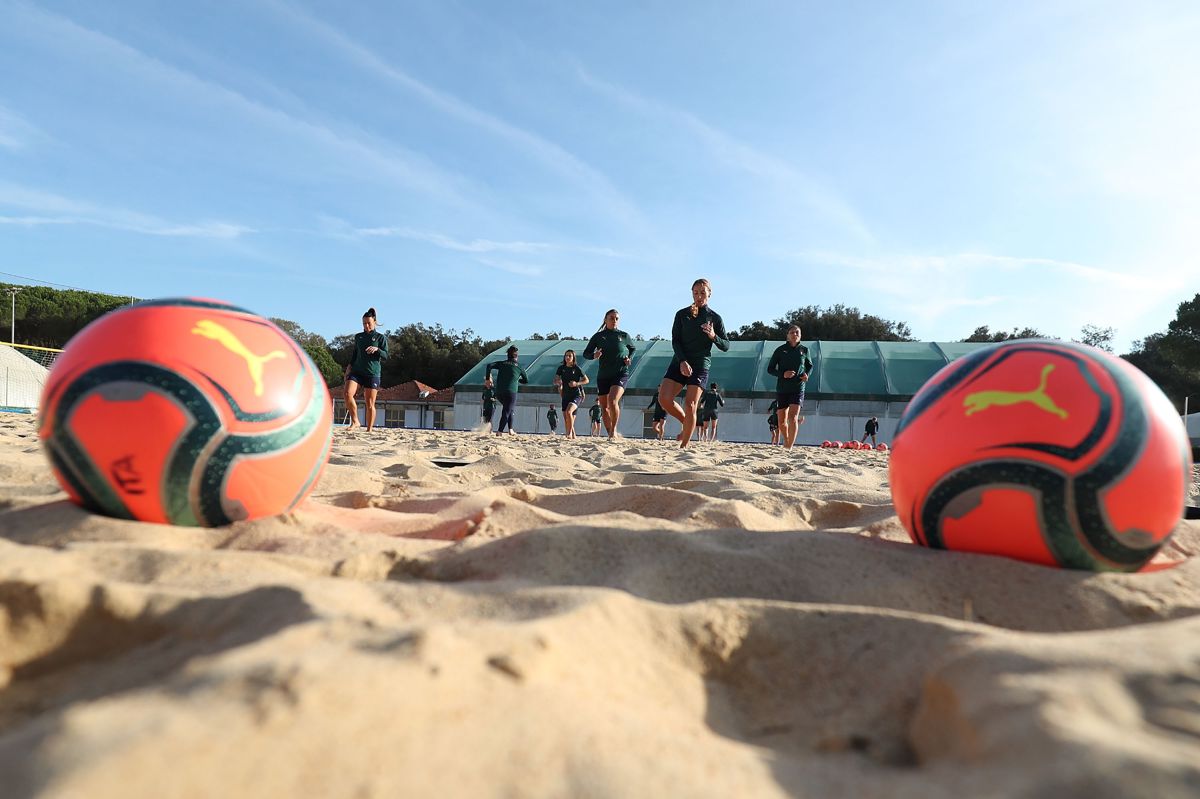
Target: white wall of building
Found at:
741, 419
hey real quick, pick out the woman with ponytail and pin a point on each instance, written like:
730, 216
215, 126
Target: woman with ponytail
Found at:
695, 330
365, 368
615, 351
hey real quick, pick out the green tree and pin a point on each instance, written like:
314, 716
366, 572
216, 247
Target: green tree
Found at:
317, 348
837, 323
984, 333
49, 317
1098, 337
1172, 358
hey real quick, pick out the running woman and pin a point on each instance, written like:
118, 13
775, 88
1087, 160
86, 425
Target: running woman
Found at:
508, 374
659, 419
613, 348
596, 413
570, 380
694, 332
791, 367
489, 402
773, 421
552, 418
365, 368
709, 402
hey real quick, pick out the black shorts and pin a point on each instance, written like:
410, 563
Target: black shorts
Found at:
772, 421
699, 376
487, 415
605, 384
364, 380
786, 398
571, 396
660, 415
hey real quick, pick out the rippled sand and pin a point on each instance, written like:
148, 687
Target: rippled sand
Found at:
541, 617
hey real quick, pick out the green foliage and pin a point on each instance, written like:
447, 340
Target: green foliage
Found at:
1098, 337
838, 323
317, 349
984, 333
48, 317
1172, 358
429, 353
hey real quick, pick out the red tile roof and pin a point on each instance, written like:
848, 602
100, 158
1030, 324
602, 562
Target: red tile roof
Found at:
408, 392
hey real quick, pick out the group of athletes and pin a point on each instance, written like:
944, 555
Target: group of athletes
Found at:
695, 331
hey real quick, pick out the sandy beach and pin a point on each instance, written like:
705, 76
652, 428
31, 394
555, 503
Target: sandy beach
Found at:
459, 614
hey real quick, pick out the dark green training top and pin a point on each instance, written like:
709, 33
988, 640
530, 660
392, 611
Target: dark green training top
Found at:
372, 364
615, 348
508, 374
489, 399
787, 359
710, 399
568, 375
596, 411
552, 416
690, 343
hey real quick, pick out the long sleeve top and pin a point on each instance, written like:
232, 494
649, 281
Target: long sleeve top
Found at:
690, 342
787, 358
508, 374
615, 346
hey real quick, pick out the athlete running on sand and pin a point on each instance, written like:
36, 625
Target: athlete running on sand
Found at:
508, 374
791, 367
694, 332
612, 346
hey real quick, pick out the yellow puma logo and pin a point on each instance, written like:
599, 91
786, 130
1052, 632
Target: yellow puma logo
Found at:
982, 400
210, 329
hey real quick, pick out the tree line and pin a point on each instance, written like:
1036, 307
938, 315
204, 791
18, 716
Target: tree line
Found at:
438, 356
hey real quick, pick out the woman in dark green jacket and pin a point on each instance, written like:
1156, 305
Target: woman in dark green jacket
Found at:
508, 374
615, 351
791, 367
695, 330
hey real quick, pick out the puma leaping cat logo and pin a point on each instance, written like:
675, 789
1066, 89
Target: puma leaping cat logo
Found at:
210, 329
982, 400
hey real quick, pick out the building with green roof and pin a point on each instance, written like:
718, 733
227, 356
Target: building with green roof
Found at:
851, 381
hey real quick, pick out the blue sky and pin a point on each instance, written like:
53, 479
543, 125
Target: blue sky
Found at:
523, 166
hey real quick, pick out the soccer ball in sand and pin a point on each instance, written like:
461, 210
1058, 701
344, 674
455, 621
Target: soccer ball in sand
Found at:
185, 411
1044, 451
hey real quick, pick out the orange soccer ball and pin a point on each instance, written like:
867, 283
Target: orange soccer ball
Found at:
1044, 451
185, 411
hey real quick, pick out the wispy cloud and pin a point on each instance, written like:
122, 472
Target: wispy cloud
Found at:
528, 270
597, 185
1052, 295
482, 245
448, 243
919, 267
15, 131
741, 156
393, 161
54, 209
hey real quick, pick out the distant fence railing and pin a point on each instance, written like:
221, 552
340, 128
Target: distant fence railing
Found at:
23, 369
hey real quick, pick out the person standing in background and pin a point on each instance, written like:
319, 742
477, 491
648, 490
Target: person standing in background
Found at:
365, 368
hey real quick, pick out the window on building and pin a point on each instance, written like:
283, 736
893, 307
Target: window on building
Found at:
393, 416
439, 418
648, 424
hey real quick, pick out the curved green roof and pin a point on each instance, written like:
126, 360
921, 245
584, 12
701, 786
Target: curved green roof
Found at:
881, 370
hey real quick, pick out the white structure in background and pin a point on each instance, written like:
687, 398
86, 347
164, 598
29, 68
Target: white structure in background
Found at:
23, 380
